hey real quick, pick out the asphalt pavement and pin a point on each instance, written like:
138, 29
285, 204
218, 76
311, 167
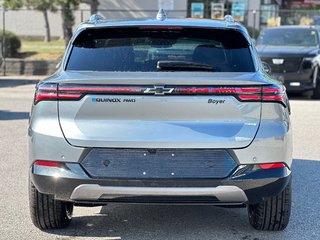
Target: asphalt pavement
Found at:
140, 222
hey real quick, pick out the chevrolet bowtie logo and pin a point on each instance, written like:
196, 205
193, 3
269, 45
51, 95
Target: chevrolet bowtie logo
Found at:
158, 90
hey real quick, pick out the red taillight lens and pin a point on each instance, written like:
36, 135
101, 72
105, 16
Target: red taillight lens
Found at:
46, 163
274, 94
271, 165
242, 93
51, 91
46, 91
66, 90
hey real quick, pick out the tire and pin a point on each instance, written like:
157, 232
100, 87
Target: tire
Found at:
48, 213
316, 91
272, 214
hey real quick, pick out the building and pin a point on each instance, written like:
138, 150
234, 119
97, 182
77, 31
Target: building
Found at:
119, 9
129, 9
253, 13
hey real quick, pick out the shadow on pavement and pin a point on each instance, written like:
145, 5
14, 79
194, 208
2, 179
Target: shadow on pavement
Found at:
204, 222
7, 115
16, 82
301, 96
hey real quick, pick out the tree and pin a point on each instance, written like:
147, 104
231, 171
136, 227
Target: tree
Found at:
44, 6
94, 4
41, 5
67, 8
13, 4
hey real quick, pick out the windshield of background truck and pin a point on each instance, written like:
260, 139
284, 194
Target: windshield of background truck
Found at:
288, 37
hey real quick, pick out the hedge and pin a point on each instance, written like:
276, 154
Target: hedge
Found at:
12, 44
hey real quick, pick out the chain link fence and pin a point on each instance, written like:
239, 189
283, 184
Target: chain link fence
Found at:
35, 57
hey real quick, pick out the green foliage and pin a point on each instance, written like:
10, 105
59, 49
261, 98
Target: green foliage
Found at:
67, 8
94, 4
42, 5
72, 4
12, 43
13, 4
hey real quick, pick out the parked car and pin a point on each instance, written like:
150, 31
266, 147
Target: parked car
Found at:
293, 55
160, 111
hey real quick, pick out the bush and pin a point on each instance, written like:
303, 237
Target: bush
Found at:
12, 45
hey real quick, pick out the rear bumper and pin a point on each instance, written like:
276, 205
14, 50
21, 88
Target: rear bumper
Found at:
95, 192
74, 185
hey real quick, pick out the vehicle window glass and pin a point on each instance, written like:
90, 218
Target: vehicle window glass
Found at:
288, 37
136, 49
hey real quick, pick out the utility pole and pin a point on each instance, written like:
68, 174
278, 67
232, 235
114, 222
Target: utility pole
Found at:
4, 39
254, 12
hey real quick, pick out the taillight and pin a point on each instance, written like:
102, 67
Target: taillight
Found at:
46, 91
245, 94
46, 163
77, 91
275, 94
52, 91
271, 165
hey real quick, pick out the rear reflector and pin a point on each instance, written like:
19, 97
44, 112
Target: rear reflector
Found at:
272, 165
46, 163
62, 92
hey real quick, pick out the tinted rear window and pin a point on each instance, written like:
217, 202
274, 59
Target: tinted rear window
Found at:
139, 50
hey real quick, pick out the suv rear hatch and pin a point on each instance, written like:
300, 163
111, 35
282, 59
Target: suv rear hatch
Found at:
160, 87
134, 116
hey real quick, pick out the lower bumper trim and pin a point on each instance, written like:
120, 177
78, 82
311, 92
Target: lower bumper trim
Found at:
94, 192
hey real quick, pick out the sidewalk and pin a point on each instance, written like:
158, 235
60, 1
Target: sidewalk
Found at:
13, 81
22, 77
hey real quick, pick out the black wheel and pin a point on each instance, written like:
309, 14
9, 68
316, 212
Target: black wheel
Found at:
316, 91
272, 214
48, 213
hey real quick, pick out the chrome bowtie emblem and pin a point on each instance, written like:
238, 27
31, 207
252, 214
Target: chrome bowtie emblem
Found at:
277, 61
158, 90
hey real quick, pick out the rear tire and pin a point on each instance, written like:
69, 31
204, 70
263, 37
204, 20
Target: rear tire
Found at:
272, 214
316, 91
48, 213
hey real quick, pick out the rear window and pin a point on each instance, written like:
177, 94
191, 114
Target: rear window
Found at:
140, 49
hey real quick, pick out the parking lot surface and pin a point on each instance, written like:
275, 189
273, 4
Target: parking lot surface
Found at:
152, 222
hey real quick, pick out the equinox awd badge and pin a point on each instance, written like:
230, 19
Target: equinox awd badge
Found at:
113, 100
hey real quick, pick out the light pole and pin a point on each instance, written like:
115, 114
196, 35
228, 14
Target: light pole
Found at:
3, 48
254, 12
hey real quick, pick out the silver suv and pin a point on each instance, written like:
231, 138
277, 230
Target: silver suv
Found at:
160, 111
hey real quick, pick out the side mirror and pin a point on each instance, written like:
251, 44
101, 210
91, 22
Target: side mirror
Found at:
266, 67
